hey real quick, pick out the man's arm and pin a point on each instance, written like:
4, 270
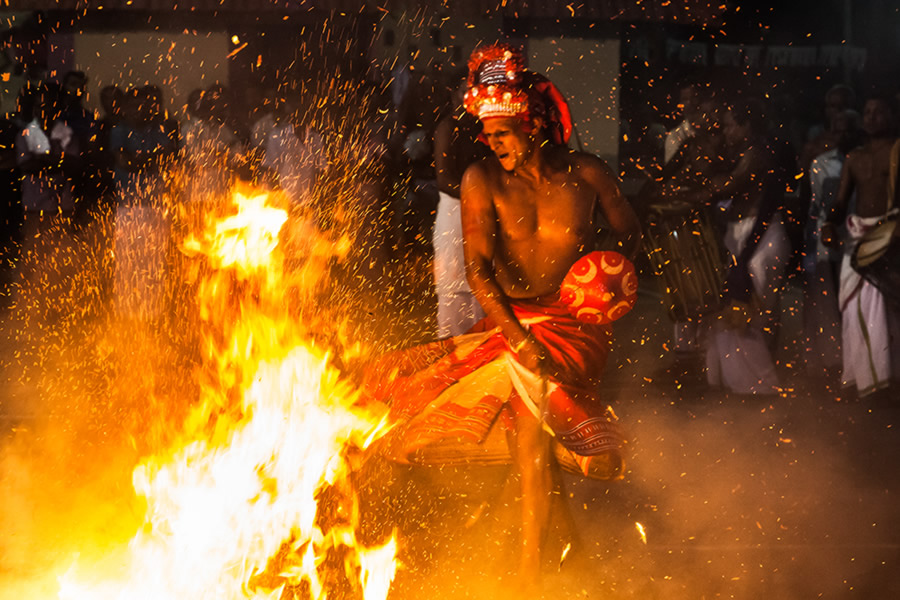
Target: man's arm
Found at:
480, 230
742, 177
618, 212
838, 211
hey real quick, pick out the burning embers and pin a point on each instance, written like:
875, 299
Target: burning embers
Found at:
256, 500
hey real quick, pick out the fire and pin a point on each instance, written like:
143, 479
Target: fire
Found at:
245, 240
256, 499
641, 531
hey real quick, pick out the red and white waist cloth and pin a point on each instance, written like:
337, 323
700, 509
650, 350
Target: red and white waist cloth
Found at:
461, 387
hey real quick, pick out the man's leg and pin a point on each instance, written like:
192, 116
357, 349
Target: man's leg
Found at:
532, 456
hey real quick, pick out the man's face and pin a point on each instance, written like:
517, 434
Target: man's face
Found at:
835, 102
877, 118
508, 140
44, 109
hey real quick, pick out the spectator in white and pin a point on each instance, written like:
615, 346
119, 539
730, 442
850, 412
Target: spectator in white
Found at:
193, 120
208, 145
264, 119
821, 265
141, 145
687, 106
455, 148
46, 150
820, 138
295, 152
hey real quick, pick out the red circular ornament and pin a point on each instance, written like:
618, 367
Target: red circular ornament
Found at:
600, 287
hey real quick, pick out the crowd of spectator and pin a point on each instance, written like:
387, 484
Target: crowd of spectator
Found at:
777, 205
785, 212
132, 161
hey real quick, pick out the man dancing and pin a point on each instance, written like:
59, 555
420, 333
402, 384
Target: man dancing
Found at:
533, 364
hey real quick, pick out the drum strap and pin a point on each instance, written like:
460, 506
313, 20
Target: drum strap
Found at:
892, 183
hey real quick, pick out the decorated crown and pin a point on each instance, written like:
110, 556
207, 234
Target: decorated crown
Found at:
500, 86
495, 83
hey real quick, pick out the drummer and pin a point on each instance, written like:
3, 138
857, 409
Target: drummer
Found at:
694, 162
748, 198
867, 319
700, 158
691, 169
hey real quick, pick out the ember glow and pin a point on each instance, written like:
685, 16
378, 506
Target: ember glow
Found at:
641, 532
256, 497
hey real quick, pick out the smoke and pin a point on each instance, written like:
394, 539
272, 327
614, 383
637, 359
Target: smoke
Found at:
788, 496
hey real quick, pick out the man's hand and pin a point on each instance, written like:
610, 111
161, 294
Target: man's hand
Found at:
533, 355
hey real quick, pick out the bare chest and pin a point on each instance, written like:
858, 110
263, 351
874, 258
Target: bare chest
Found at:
562, 209
871, 173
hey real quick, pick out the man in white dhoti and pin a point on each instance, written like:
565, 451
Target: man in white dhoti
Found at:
821, 265
296, 153
209, 148
869, 344
140, 146
455, 148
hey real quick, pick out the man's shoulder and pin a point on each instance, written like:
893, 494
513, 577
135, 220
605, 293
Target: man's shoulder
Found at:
584, 164
483, 169
582, 159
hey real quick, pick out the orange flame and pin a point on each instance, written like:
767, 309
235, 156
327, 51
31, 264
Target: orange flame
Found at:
232, 510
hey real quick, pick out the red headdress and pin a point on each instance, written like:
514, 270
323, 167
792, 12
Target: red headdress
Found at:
500, 86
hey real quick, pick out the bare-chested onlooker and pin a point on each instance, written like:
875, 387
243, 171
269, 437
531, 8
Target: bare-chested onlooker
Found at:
529, 214
867, 319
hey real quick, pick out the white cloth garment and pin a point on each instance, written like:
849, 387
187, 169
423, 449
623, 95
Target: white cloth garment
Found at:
458, 310
865, 331
207, 147
261, 130
297, 161
48, 191
739, 359
675, 138
822, 316
36, 140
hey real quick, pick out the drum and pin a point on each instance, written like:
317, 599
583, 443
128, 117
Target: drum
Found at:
877, 259
683, 249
